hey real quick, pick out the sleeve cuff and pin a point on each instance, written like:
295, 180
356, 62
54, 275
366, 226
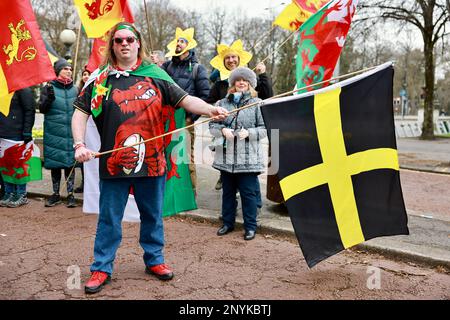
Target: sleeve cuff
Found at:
78, 108
181, 99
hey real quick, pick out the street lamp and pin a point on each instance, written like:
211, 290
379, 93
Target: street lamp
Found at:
68, 37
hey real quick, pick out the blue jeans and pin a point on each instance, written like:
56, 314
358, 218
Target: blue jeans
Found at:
19, 189
11, 188
149, 196
258, 194
247, 184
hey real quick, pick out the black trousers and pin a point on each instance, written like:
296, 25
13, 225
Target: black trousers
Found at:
56, 179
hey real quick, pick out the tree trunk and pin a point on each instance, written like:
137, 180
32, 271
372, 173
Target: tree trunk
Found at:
428, 123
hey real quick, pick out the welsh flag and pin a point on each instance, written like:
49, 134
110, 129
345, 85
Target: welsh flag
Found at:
321, 39
179, 195
98, 16
19, 162
99, 46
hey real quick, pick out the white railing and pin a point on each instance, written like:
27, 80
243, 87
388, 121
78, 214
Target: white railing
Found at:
411, 126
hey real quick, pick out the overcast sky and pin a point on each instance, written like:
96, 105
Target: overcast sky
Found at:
266, 8
252, 7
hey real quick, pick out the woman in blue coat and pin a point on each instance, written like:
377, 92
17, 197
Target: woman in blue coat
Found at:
56, 102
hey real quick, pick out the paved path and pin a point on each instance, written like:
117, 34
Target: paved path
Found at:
426, 197
46, 254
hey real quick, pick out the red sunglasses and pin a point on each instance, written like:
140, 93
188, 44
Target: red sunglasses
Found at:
129, 39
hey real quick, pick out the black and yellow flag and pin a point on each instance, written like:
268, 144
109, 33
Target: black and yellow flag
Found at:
338, 163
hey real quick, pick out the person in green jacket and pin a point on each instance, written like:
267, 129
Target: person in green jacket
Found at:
56, 102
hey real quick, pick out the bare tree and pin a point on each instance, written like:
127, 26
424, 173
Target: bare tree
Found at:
430, 17
442, 94
285, 77
254, 34
410, 70
163, 17
193, 19
51, 17
216, 25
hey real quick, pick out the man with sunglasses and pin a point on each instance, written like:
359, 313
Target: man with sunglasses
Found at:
130, 100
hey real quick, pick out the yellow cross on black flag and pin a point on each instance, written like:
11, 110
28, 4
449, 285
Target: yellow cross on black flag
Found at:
338, 163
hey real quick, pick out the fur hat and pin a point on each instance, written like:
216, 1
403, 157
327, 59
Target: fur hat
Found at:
242, 73
60, 64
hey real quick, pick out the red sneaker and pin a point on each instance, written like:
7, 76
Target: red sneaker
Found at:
161, 271
96, 282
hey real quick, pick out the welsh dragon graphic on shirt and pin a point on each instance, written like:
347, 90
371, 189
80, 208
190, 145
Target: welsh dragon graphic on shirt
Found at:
142, 99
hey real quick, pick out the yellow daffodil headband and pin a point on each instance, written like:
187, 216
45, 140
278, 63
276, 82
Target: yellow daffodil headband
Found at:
224, 50
187, 35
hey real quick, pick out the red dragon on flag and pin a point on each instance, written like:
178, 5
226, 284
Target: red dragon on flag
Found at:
98, 16
19, 162
321, 40
96, 9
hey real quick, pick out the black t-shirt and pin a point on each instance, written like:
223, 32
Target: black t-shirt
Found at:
134, 109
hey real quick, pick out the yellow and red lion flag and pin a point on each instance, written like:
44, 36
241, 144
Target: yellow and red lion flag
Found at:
297, 12
23, 57
5, 96
98, 16
99, 45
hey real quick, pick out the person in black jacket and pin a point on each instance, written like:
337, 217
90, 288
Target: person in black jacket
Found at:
17, 126
191, 76
220, 87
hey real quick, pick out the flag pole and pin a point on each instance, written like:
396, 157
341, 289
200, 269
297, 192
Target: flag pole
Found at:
148, 26
277, 48
76, 52
259, 40
96, 155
